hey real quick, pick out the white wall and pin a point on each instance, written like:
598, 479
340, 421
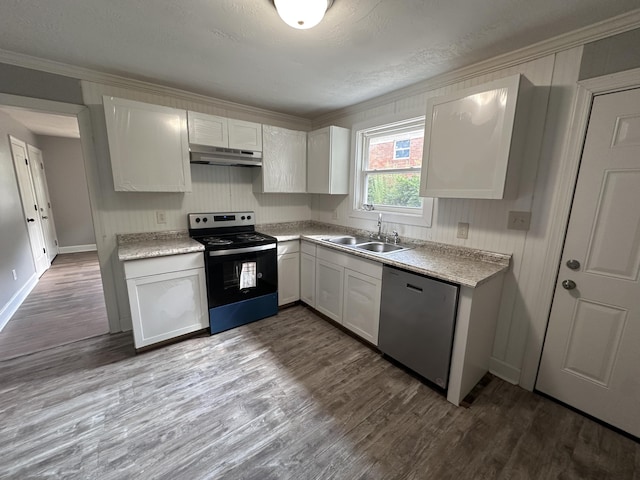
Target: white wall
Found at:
66, 179
215, 188
488, 218
15, 253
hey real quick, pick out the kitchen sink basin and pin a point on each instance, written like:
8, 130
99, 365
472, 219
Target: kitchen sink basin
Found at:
380, 247
347, 240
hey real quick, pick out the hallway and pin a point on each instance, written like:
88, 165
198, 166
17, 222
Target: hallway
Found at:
67, 305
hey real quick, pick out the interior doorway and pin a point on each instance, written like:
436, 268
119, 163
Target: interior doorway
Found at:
68, 302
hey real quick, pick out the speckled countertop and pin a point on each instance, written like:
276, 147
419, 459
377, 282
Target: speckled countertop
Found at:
466, 266
136, 246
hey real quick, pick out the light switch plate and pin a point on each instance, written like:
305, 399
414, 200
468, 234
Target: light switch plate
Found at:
161, 216
519, 220
463, 230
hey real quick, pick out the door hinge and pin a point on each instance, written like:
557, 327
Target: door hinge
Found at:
56, 242
41, 166
35, 207
26, 162
49, 204
44, 251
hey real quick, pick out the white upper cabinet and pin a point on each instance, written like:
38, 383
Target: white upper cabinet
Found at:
148, 145
245, 135
215, 131
208, 130
284, 161
473, 140
328, 161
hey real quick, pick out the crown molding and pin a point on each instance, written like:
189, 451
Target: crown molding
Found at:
576, 38
89, 75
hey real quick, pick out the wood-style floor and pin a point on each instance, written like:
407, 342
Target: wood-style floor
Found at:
288, 397
66, 305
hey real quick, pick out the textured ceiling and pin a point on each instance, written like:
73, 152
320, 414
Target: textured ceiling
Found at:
240, 50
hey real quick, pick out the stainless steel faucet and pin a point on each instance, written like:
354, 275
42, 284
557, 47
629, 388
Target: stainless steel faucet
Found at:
379, 226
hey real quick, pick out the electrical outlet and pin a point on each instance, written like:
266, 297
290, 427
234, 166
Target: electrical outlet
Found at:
519, 220
463, 230
15, 275
161, 216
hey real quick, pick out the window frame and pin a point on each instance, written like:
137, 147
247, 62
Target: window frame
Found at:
396, 149
402, 215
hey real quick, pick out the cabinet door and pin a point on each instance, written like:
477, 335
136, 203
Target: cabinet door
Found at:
245, 135
148, 145
328, 161
329, 282
167, 305
318, 146
308, 279
284, 161
208, 130
472, 141
362, 305
288, 278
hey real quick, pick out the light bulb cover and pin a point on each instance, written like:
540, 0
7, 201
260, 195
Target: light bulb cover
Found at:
301, 14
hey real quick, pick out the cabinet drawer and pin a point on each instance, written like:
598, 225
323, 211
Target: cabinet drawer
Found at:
290, 246
157, 265
308, 248
367, 267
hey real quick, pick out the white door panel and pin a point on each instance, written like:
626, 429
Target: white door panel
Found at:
591, 358
30, 205
36, 163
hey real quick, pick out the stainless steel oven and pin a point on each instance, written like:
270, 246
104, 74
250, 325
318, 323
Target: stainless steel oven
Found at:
241, 268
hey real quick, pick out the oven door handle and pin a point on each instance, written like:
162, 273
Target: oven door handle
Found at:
233, 251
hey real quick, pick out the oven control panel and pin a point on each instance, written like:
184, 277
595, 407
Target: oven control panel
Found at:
221, 219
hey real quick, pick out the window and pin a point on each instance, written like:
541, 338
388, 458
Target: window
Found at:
389, 159
402, 149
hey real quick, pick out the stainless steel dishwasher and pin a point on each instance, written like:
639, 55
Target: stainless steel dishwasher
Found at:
417, 321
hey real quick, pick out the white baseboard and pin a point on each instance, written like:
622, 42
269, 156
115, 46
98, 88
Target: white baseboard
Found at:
78, 248
12, 307
503, 370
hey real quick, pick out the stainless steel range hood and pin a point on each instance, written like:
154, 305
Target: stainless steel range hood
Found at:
206, 155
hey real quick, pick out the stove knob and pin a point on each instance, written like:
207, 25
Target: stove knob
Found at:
248, 217
205, 219
242, 217
197, 219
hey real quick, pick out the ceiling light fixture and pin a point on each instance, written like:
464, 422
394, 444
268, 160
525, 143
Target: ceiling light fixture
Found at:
302, 14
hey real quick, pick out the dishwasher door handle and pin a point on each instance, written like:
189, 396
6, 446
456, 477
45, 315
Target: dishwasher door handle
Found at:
414, 288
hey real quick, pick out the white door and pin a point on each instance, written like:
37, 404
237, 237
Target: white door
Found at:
29, 205
591, 356
329, 281
44, 201
362, 304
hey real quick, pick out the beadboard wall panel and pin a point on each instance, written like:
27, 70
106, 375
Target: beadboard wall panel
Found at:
487, 218
214, 188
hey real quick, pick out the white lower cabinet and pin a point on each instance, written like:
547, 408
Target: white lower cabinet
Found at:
361, 312
308, 273
288, 272
329, 286
167, 297
348, 291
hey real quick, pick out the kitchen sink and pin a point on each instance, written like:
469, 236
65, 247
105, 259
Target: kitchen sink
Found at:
380, 247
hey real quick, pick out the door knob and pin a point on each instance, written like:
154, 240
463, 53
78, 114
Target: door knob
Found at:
31, 219
568, 284
573, 264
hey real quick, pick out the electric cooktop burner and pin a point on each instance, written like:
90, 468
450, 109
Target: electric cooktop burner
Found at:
216, 241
